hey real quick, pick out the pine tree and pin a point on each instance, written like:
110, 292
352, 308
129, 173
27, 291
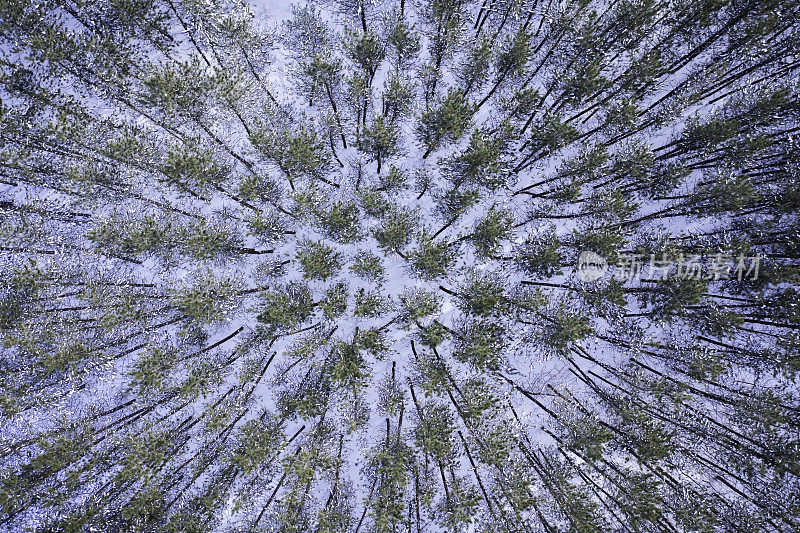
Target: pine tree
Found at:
217, 314
380, 141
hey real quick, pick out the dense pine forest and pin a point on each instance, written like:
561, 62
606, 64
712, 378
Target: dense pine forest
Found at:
399, 266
